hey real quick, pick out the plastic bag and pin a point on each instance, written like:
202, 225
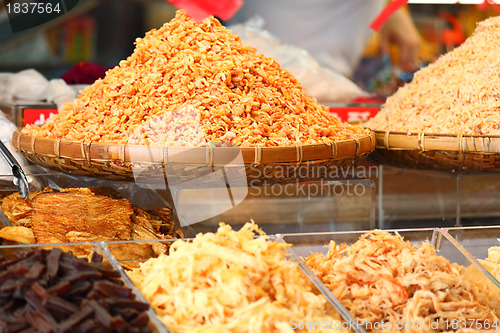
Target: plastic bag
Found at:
58, 92
30, 85
6, 90
322, 83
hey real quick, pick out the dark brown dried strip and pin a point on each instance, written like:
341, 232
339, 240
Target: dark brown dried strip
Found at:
61, 293
126, 303
102, 314
60, 288
36, 271
76, 318
41, 320
53, 259
59, 305
111, 289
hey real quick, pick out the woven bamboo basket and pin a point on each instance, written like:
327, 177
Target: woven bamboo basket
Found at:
457, 153
150, 164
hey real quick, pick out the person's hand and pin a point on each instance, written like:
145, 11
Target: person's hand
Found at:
401, 31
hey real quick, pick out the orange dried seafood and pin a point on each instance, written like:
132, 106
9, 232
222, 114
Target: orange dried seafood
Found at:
189, 83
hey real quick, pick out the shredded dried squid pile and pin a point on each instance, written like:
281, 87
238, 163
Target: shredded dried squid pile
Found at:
382, 278
459, 93
230, 281
189, 83
481, 286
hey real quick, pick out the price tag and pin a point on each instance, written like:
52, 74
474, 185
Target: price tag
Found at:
354, 114
37, 116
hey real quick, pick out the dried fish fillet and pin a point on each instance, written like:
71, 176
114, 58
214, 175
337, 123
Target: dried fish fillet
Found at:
90, 215
18, 234
15, 207
57, 213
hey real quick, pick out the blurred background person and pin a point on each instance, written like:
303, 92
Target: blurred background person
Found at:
335, 32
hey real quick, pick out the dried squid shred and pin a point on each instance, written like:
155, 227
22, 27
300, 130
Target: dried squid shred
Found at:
459, 93
230, 281
383, 279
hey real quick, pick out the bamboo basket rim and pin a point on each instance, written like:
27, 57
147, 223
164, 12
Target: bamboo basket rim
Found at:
211, 154
486, 144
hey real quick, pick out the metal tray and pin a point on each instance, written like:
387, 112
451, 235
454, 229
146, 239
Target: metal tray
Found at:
303, 244
108, 259
121, 264
474, 243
